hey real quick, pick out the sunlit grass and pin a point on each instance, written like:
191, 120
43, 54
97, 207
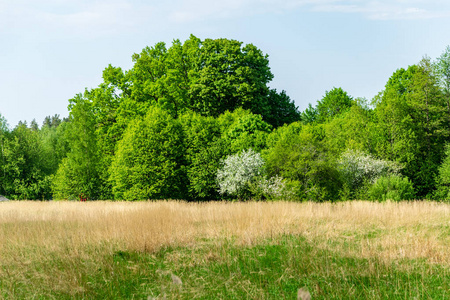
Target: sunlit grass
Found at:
229, 250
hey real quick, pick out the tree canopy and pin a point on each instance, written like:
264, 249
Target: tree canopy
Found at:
198, 121
209, 77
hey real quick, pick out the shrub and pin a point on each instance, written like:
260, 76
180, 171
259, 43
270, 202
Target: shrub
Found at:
391, 187
298, 154
357, 168
239, 172
273, 188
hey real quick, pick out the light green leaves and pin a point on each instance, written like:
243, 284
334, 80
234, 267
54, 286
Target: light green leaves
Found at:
149, 163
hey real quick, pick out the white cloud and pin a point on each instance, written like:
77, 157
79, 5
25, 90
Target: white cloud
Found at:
82, 17
99, 17
390, 10
94, 17
194, 10
197, 10
200, 10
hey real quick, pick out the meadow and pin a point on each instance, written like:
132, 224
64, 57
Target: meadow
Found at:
224, 250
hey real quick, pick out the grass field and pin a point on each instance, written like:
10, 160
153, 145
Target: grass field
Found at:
222, 250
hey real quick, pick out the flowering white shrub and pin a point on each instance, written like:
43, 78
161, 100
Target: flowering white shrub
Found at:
238, 172
357, 167
274, 188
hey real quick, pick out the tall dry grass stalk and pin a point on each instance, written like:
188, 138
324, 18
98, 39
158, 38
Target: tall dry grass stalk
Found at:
365, 229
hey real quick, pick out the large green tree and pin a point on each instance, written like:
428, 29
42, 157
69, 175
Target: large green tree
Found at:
208, 77
79, 174
150, 159
28, 161
298, 154
230, 75
412, 124
204, 150
335, 102
352, 129
442, 71
282, 109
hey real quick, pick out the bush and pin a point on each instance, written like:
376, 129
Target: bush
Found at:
298, 154
392, 187
357, 167
359, 171
273, 188
239, 172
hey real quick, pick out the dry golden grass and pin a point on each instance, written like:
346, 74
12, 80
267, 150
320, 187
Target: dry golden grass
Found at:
359, 229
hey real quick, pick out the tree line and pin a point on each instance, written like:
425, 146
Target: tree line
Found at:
198, 121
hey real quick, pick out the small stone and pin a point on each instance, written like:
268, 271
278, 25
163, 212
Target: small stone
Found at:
303, 294
176, 280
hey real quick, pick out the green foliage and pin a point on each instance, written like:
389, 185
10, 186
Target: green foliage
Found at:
204, 150
352, 129
196, 75
443, 178
356, 168
149, 163
30, 156
4, 132
209, 77
441, 68
3, 125
210, 99
298, 154
149, 81
54, 146
21, 155
411, 123
79, 173
334, 103
273, 188
243, 130
282, 109
309, 115
391, 187
229, 76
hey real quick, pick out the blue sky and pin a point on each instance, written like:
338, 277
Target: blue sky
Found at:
51, 50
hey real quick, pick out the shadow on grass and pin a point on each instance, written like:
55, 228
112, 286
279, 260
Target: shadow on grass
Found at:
271, 269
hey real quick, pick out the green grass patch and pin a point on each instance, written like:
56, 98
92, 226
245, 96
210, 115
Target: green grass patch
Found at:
270, 269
